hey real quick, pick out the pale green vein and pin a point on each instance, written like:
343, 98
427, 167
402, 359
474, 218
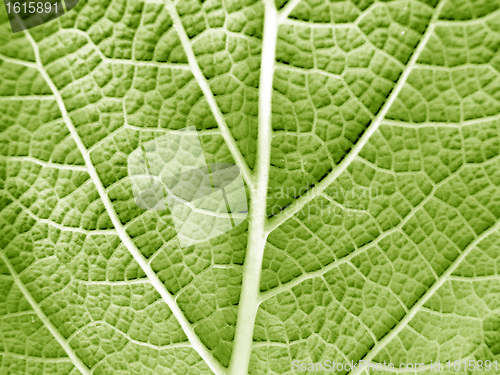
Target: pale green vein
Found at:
461, 124
37, 359
131, 61
257, 237
493, 16
398, 228
287, 9
14, 60
138, 256
430, 292
207, 92
475, 279
200, 133
300, 202
453, 314
48, 164
26, 97
46, 321
39, 220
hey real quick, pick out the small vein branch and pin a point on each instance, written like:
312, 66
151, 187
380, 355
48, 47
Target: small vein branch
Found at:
54, 224
46, 321
430, 292
14, 60
38, 359
209, 96
48, 164
287, 9
300, 202
187, 327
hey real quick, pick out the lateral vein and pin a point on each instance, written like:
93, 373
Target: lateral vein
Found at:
430, 292
195, 341
46, 321
209, 96
287, 9
48, 164
315, 191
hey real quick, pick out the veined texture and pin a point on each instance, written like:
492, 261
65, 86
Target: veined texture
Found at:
367, 134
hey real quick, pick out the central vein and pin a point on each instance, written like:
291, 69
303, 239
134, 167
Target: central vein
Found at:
257, 235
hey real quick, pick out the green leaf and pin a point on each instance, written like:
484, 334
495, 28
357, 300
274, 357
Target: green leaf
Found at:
368, 137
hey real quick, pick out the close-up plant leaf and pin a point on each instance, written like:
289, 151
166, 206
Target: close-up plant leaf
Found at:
337, 168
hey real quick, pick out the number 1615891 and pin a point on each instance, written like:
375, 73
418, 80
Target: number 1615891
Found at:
31, 7
472, 365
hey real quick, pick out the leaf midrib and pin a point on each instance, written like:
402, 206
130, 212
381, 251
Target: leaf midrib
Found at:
253, 180
257, 236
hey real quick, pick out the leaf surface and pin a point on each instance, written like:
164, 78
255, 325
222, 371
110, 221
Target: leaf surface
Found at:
367, 133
